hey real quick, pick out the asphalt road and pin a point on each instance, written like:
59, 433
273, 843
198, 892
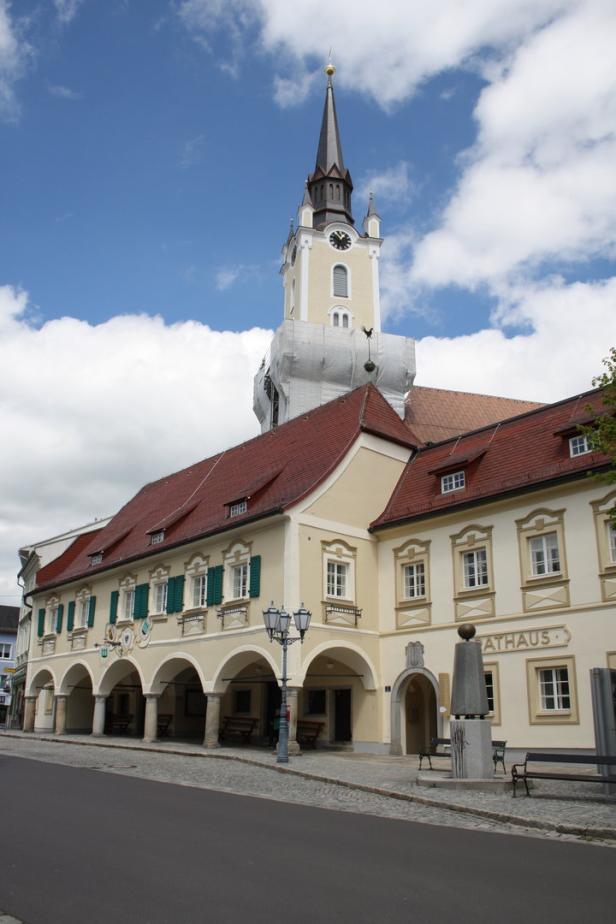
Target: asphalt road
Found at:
85, 847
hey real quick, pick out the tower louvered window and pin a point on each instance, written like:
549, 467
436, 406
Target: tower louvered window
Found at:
341, 282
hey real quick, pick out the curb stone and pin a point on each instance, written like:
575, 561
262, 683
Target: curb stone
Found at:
578, 831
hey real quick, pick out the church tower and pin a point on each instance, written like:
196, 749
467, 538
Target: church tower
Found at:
330, 340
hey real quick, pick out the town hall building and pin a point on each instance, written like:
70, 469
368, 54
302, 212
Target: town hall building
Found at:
392, 512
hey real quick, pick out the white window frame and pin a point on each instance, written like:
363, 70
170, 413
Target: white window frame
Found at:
161, 589
414, 580
96, 559
490, 689
82, 610
199, 590
339, 315
157, 538
338, 579
579, 445
611, 542
239, 507
475, 572
5, 651
540, 551
555, 687
51, 617
454, 481
240, 577
128, 603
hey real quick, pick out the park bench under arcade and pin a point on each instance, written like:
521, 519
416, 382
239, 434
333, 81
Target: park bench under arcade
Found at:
236, 726
522, 772
308, 732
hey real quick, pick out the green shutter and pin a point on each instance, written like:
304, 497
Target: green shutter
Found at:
214, 585
255, 576
41, 622
70, 619
172, 606
141, 601
178, 594
59, 618
113, 606
91, 611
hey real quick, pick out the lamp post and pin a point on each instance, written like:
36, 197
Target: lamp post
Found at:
277, 622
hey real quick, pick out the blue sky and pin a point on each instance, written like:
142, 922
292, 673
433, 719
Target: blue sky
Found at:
152, 154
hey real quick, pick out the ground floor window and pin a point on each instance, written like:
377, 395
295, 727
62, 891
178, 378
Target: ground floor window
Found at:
315, 702
242, 702
554, 688
552, 693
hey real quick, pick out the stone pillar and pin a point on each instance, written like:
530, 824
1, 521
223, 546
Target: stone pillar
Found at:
151, 717
292, 698
98, 719
61, 701
29, 713
212, 720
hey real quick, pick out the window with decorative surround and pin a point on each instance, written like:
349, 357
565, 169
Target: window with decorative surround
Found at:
127, 598
159, 581
196, 575
51, 616
605, 533
82, 609
541, 540
340, 281
473, 576
340, 317
552, 693
339, 571
411, 563
236, 574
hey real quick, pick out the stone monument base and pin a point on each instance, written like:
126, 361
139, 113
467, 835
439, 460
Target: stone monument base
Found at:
446, 781
471, 749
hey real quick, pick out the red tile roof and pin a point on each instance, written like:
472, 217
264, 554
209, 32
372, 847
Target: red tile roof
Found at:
435, 414
296, 457
510, 456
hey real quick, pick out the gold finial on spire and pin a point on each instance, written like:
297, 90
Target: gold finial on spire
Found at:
330, 70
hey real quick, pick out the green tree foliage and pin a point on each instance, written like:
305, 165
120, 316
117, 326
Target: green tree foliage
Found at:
602, 431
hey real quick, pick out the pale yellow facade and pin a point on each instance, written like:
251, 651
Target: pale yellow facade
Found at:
360, 672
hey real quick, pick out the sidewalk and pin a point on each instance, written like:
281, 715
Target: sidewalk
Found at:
570, 809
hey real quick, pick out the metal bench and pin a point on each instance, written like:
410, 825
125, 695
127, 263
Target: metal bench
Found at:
119, 724
498, 752
236, 726
520, 772
308, 731
163, 723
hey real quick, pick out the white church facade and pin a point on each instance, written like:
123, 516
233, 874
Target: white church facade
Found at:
392, 512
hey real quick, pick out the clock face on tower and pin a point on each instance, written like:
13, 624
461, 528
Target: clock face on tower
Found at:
340, 240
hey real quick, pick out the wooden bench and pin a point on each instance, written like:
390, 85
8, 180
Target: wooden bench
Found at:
520, 772
237, 726
308, 731
498, 752
163, 722
119, 724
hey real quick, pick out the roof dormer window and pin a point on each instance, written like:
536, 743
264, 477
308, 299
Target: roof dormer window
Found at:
157, 538
237, 508
455, 481
96, 558
579, 445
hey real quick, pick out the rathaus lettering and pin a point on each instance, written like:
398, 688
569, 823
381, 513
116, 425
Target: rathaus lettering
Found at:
550, 637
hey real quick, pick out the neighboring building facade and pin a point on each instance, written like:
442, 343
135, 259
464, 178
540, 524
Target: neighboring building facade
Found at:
393, 515
9, 616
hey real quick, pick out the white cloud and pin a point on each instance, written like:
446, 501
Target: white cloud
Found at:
568, 329
392, 185
88, 414
59, 90
66, 10
14, 55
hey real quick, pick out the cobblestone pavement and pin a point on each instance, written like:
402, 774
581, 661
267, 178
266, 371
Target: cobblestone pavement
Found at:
343, 781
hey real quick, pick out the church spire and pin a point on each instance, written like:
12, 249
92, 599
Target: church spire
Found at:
330, 184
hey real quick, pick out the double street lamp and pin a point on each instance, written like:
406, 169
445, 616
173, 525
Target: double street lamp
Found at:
277, 623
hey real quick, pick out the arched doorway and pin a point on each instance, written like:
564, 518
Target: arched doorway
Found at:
338, 692
415, 713
182, 703
76, 685
420, 714
250, 692
43, 686
125, 703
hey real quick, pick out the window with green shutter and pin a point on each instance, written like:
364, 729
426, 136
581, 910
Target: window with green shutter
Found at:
113, 606
91, 611
214, 585
70, 619
255, 576
41, 622
141, 601
175, 594
59, 616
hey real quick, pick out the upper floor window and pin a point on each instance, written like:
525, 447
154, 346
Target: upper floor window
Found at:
128, 602
240, 580
199, 591
544, 554
475, 568
83, 610
340, 282
453, 482
414, 580
160, 596
337, 579
238, 508
341, 318
52, 617
611, 535
579, 445
157, 538
96, 559
5, 651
